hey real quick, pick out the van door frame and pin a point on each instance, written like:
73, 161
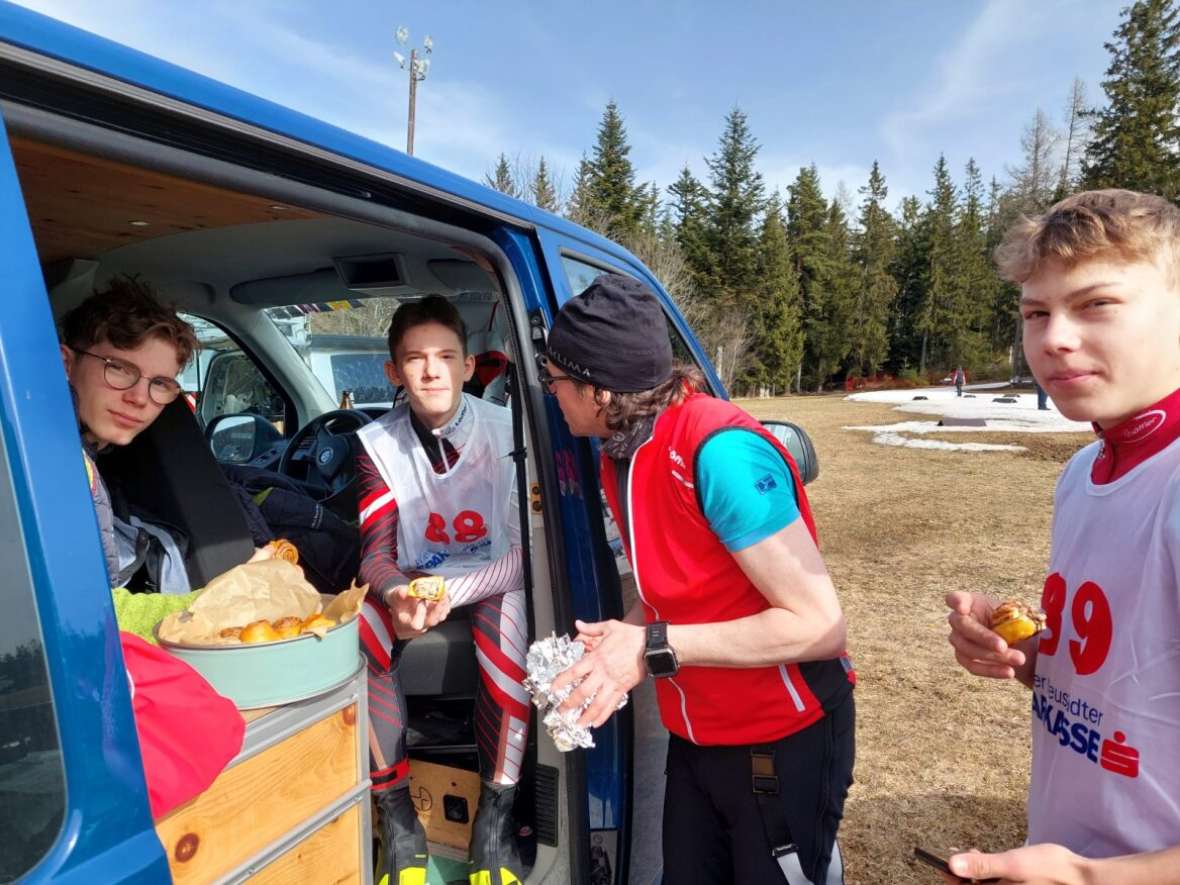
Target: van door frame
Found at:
612, 801
372, 208
108, 826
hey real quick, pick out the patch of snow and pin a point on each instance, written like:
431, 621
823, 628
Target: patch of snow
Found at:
1021, 416
896, 439
997, 426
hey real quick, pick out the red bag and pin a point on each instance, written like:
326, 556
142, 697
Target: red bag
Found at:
187, 732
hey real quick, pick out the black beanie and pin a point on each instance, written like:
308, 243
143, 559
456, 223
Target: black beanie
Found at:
613, 336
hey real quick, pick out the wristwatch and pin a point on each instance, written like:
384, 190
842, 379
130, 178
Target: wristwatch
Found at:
658, 655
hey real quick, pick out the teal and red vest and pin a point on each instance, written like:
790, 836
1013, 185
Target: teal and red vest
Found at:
685, 575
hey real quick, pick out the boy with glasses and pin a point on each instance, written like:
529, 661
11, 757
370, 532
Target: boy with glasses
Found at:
122, 351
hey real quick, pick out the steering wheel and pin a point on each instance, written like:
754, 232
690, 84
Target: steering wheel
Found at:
322, 450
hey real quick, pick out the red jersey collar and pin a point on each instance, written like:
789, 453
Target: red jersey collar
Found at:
1130, 443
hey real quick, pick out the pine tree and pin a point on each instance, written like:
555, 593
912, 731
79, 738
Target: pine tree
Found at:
975, 281
501, 178
543, 191
736, 202
777, 347
1136, 141
935, 321
579, 208
910, 269
689, 209
876, 290
647, 201
839, 281
1005, 322
808, 234
611, 191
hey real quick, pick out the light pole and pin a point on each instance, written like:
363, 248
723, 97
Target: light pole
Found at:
417, 67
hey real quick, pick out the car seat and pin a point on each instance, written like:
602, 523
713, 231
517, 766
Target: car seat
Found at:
170, 472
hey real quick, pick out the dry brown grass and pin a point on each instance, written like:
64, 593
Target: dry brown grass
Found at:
942, 756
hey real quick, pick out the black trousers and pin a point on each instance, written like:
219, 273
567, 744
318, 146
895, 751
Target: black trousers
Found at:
713, 830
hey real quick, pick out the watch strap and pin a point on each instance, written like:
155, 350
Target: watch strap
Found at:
657, 636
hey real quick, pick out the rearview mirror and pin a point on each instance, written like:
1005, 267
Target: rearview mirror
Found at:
798, 443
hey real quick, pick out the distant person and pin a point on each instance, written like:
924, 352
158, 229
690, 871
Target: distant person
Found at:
1100, 296
960, 380
738, 623
1042, 397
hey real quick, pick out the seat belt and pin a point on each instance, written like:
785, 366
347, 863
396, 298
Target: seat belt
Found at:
765, 784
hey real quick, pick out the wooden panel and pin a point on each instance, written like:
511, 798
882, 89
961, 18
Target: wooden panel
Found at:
81, 206
257, 801
257, 713
331, 856
431, 787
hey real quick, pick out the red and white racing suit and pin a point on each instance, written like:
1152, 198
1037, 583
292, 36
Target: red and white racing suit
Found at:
443, 503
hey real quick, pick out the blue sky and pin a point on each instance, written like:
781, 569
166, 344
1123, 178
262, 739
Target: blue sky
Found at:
834, 82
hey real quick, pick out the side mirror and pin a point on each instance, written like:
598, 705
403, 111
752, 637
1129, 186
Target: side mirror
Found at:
237, 439
798, 443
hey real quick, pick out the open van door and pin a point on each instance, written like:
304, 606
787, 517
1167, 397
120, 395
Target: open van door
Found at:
73, 803
624, 770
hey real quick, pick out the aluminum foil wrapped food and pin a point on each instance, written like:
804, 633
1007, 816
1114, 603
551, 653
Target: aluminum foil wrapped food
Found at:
546, 659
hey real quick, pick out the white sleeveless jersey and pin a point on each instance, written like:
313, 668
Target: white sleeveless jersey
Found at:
1106, 695
450, 523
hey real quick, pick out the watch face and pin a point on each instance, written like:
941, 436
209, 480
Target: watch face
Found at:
661, 662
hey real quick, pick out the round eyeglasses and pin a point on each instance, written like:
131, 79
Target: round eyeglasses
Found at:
122, 375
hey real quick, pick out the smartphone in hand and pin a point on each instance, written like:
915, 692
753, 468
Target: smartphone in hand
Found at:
940, 864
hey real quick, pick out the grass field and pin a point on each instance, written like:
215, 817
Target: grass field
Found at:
942, 756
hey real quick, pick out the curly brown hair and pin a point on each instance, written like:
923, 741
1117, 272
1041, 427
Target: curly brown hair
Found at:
623, 411
127, 313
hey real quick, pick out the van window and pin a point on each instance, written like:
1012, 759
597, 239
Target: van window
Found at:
344, 345
224, 380
32, 785
581, 274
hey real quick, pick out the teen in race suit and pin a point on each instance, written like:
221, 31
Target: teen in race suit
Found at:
441, 501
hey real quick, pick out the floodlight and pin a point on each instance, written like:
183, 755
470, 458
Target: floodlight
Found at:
401, 59
428, 44
402, 34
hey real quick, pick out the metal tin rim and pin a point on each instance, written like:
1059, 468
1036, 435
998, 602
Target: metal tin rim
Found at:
164, 643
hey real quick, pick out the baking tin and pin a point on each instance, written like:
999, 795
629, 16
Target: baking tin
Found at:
266, 674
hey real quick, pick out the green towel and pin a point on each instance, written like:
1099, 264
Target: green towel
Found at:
138, 613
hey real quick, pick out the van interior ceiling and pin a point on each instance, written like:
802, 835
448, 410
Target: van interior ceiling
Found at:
93, 217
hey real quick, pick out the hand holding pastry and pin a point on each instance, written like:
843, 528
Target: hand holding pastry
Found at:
413, 616
977, 648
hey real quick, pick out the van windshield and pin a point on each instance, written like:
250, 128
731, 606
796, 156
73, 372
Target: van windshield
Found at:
343, 343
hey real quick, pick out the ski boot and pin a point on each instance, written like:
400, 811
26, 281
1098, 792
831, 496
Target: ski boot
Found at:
403, 840
494, 855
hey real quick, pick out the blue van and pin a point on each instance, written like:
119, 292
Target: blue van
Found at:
265, 228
